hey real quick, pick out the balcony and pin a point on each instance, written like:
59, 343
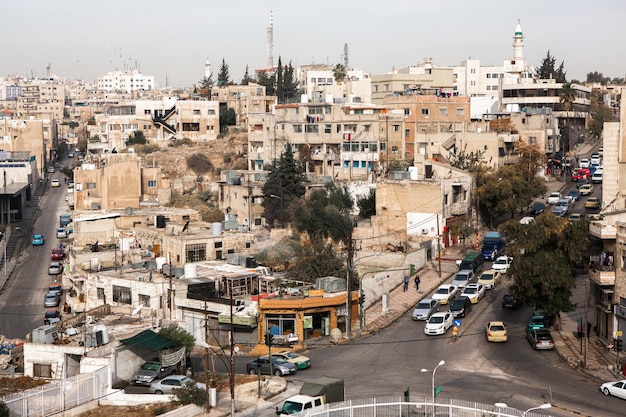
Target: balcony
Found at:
602, 230
603, 275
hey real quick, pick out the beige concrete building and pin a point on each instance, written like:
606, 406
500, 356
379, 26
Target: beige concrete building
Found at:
240, 196
244, 99
32, 136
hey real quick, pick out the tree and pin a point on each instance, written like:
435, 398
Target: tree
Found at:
178, 335
463, 227
280, 87
206, 85
228, 117
465, 160
367, 204
223, 77
544, 253
339, 73
597, 77
136, 138
246, 78
267, 81
290, 85
567, 95
283, 186
548, 70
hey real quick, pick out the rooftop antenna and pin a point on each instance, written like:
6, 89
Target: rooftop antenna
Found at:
270, 42
345, 55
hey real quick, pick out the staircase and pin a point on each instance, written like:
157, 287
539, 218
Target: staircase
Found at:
161, 120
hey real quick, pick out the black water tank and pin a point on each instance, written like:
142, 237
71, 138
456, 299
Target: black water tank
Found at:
160, 221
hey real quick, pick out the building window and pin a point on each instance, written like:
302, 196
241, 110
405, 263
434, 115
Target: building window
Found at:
328, 128
122, 295
42, 370
297, 128
311, 128
191, 127
494, 88
460, 112
425, 112
196, 112
195, 252
211, 112
473, 71
443, 111
257, 222
407, 133
151, 183
386, 87
473, 83
90, 186
396, 128
407, 112
488, 75
100, 292
488, 88
144, 300
218, 254
532, 140
218, 245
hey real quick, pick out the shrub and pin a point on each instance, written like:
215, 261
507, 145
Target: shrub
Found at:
191, 394
199, 163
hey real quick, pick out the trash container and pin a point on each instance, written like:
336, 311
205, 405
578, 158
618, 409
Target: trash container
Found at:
212, 397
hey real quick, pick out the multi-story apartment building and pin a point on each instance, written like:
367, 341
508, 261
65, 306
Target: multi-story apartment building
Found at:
126, 81
240, 195
32, 136
244, 99
350, 141
430, 79
319, 85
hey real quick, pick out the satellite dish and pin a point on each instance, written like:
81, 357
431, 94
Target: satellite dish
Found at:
137, 310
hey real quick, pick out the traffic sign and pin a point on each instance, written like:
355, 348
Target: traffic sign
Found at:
457, 322
438, 390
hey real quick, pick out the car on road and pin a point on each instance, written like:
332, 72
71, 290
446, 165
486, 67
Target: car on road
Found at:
595, 159
558, 212
279, 367
57, 254
574, 194
537, 322
425, 308
616, 389
301, 361
574, 217
55, 288
582, 182
55, 183
586, 189
596, 178
51, 300
581, 173
61, 233
463, 277
537, 208
564, 205
54, 268
474, 292
460, 306
601, 150
592, 203
445, 293
490, 279
584, 163
168, 384
495, 331
70, 155
526, 220
540, 339
438, 323
554, 198
38, 240
502, 264
50, 170
510, 301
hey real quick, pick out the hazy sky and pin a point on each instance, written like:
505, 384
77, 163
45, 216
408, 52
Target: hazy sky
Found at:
82, 39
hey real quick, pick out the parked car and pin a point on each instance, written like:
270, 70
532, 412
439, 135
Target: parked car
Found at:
445, 293
168, 384
510, 301
57, 254
502, 264
61, 233
301, 361
51, 300
54, 268
38, 240
464, 277
490, 278
70, 155
474, 292
536, 322
438, 323
526, 220
460, 306
616, 389
50, 170
537, 208
55, 183
425, 308
495, 331
586, 189
279, 367
554, 198
55, 288
151, 371
540, 339
592, 203
51, 316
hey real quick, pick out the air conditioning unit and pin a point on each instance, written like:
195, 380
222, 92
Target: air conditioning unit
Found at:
424, 231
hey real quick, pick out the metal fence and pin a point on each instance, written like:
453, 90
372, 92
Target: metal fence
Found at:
58, 396
398, 407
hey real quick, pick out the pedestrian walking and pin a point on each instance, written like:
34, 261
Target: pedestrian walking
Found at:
417, 282
406, 283
455, 334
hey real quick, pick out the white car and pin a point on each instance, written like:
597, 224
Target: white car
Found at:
55, 183
463, 277
438, 323
474, 292
583, 163
596, 178
502, 264
445, 293
554, 198
617, 389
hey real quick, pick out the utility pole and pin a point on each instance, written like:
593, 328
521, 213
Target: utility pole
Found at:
232, 357
438, 245
350, 253
586, 333
206, 357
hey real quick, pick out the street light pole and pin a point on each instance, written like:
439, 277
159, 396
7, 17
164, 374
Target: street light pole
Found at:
441, 362
282, 210
523, 413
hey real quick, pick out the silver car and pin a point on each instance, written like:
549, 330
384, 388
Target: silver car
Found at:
425, 308
168, 384
51, 300
54, 268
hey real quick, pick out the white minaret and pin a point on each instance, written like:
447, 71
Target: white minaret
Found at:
207, 69
518, 43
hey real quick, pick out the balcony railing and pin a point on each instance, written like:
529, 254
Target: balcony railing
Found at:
603, 275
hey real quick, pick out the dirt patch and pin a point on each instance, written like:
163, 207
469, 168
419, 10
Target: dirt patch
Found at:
11, 385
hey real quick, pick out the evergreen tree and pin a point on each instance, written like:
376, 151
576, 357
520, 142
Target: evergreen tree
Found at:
290, 86
280, 86
548, 70
284, 185
267, 81
206, 85
246, 78
223, 77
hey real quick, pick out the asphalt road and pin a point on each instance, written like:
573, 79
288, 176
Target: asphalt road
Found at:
21, 303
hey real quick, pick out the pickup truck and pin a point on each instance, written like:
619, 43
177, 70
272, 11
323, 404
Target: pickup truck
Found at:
313, 393
151, 371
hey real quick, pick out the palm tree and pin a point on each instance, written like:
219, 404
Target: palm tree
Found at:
339, 73
567, 95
